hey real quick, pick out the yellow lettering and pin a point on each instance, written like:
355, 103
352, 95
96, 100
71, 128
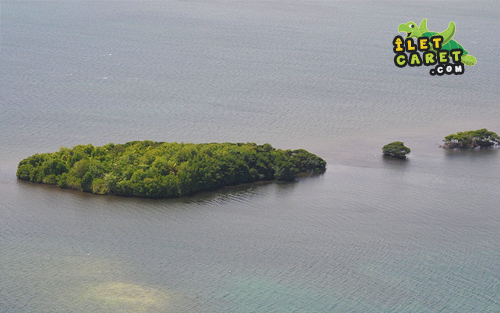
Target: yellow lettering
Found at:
398, 42
457, 53
423, 43
415, 59
400, 60
410, 45
443, 56
437, 42
429, 58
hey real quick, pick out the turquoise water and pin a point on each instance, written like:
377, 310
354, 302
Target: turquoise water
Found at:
369, 235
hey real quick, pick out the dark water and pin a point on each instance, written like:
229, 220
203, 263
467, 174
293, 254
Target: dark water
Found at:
369, 235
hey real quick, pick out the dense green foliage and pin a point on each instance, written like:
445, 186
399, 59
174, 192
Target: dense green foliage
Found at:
162, 170
396, 149
471, 139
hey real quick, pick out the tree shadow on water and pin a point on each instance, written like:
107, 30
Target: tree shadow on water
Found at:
471, 153
394, 163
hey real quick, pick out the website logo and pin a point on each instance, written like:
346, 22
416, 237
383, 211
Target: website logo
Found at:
431, 48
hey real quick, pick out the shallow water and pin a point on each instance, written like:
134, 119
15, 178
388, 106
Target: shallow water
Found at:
369, 235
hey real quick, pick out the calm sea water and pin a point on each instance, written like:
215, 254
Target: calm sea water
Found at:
369, 235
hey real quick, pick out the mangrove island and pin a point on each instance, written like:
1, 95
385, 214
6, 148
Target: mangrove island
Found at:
164, 170
396, 149
471, 139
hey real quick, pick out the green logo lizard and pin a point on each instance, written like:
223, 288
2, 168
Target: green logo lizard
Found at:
448, 43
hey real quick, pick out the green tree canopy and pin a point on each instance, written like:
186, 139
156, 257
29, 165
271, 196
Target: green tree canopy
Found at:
396, 149
471, 139
163, 170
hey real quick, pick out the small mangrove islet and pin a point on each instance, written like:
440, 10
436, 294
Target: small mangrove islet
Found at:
471, 139
165, 170
396, 149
